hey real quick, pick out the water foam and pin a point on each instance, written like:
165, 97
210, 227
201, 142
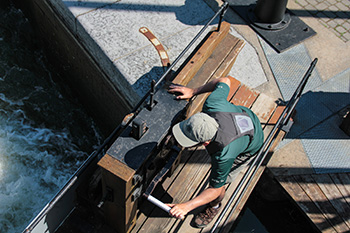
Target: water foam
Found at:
44, 136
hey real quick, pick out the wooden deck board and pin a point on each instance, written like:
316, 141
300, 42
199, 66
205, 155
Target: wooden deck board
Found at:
182, 188
224, 57
278, 111
324, 198
264, 107
245, 96
235, 84
305, 203
147, 208
196, 62
334, 196
312, 189
342, 181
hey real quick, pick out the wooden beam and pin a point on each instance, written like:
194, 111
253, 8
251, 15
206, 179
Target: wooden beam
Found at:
227, 51
207, 48
263, 107
120, 211
235, 84
219, 63
245, 96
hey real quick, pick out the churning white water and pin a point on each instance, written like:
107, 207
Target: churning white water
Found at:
44, 133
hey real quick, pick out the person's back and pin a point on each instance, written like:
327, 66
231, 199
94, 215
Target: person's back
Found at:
213, 128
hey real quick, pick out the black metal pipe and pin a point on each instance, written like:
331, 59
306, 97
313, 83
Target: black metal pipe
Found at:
270, 11
225, 7
283, 119
301, 86
151, 100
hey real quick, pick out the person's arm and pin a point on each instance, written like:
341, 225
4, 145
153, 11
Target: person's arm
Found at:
208, 195
187, 93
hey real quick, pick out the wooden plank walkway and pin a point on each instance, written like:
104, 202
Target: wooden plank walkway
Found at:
191, 177
325, 198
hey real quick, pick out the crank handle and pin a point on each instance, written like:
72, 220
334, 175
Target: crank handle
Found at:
160, 204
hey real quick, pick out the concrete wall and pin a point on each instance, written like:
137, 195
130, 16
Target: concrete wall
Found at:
83, 65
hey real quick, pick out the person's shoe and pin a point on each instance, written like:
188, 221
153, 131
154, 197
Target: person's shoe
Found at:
206, 216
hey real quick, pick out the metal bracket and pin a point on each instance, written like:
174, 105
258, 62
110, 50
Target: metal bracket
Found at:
139, 128
286, 127
136, 194
136, 179
151, 96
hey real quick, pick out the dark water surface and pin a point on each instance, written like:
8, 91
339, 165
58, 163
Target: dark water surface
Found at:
45, 134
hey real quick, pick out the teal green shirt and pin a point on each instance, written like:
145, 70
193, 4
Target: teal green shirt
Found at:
222, 161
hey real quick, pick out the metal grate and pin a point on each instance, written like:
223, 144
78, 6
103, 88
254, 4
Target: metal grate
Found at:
328, 147
289, 67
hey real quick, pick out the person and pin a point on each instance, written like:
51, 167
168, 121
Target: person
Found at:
231, 134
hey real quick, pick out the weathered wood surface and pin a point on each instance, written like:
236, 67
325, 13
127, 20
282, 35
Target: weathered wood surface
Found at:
203, 53
305, 203
218, 65
191, 177
323, 197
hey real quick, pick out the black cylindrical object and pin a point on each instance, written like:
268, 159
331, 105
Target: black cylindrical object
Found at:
270, 11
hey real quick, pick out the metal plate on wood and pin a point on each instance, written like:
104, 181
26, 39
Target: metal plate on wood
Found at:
295, 32
135, 152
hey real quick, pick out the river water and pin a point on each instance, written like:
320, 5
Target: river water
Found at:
45, 134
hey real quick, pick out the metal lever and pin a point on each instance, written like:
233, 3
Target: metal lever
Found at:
158, 178
158, 203
224, 9
151, 100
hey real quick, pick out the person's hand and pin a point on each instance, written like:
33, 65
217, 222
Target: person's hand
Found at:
178, 210
182, 91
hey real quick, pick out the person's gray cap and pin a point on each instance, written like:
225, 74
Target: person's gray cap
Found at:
198, 128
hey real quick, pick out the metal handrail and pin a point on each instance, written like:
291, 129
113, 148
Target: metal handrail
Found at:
117, 130
220, 12
248, 176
